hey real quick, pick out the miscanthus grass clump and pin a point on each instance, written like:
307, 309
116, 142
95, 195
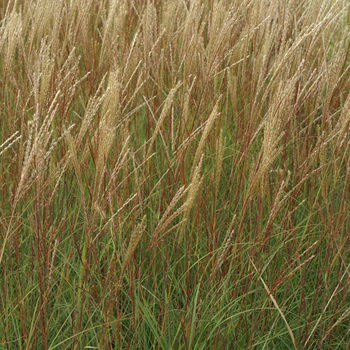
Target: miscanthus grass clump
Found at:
174, 174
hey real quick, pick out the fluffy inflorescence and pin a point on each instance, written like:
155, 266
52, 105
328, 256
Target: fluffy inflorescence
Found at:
174, 174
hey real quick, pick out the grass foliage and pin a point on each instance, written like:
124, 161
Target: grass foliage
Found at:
174, 174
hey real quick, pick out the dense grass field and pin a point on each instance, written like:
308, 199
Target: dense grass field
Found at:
174, 174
